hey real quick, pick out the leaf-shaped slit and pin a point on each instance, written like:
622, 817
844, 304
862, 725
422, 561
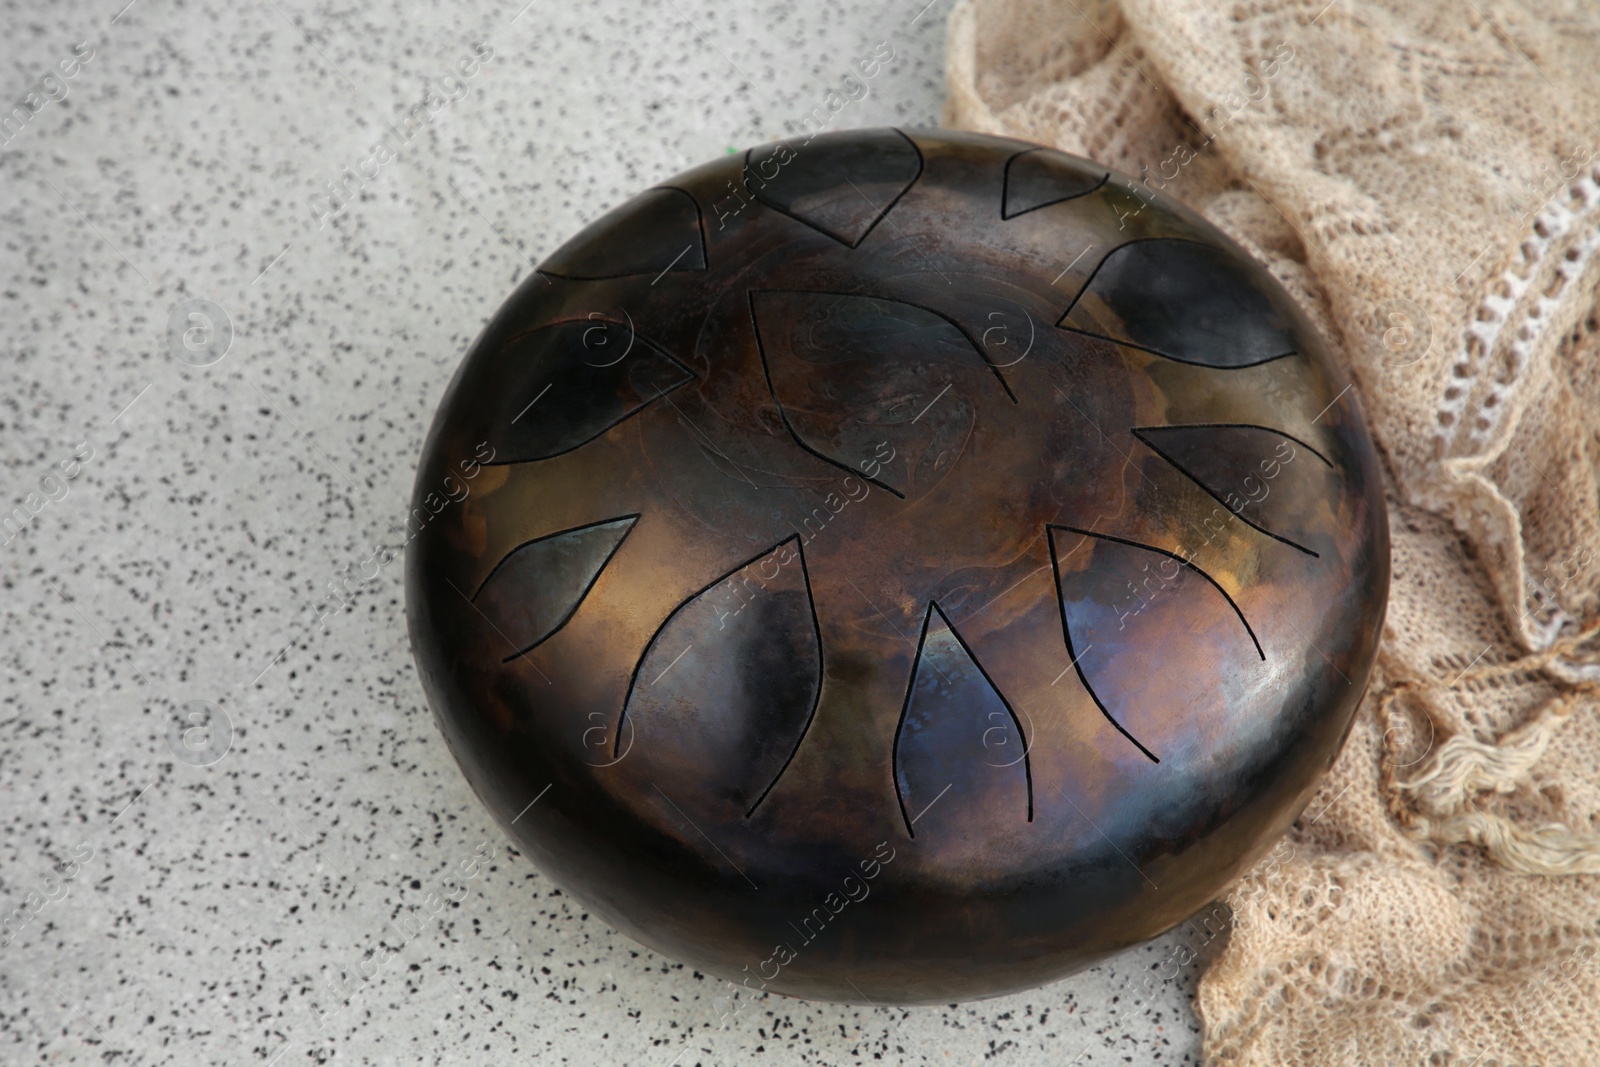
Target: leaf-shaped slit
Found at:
537, 587
1188, 301
883, 389
725, 691
570, 382
1150, 634
840, 183
1040, 177
1270, 480
655, 232
960, 755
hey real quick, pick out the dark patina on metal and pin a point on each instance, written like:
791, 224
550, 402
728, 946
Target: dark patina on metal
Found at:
903, 566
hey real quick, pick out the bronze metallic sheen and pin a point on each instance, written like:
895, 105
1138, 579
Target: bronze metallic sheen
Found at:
897, 566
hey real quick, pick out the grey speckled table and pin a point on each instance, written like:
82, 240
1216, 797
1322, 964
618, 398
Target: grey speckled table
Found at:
222, 889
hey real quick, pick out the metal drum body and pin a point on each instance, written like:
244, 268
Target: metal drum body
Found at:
903, 566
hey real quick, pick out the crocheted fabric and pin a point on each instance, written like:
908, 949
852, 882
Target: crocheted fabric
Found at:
1425, 178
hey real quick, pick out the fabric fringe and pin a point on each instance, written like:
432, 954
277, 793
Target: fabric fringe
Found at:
1549, 849
1464, 767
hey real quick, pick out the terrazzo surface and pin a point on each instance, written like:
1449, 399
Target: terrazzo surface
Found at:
226, 805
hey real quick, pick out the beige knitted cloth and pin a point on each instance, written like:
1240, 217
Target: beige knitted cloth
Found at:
1423, 176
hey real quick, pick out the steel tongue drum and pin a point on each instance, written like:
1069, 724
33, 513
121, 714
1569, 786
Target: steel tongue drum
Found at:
897, 566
